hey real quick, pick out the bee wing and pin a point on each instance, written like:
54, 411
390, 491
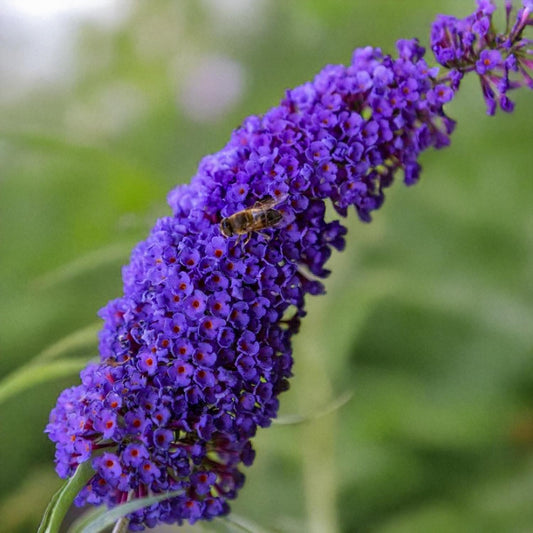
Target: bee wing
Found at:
268, 202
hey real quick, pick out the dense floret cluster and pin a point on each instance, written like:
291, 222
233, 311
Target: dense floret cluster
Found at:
502, 61
196, 352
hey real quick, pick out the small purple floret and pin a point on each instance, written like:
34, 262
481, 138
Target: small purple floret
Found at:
488, 60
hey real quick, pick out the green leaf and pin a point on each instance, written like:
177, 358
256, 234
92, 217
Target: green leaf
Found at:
339, 402
104, 159
240, 524
43, 367
77, 339
63, 498
86, 518
81, 265
33, 374
99, 520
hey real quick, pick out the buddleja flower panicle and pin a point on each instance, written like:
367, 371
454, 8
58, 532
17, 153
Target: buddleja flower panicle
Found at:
501, 60
196, 352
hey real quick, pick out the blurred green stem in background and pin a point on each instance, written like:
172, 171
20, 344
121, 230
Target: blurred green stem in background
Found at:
318, 435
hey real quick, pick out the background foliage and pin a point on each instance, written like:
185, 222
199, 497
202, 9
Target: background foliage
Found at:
427, 321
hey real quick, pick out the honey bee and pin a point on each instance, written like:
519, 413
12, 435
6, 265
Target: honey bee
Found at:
261, 215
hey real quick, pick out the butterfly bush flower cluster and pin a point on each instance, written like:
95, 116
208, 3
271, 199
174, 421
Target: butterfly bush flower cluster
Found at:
503, 61
196, 352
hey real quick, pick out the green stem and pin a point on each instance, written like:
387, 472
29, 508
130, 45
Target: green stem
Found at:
318, 436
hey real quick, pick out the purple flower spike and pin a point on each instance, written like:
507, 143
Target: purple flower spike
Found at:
196, 352
472, 44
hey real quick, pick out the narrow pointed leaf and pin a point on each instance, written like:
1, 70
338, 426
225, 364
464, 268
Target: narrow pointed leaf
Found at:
104, 159
79, 338
241, 525
81, 265
34, 374
42, 368
339, 402
99, 521
86, 518
63, 498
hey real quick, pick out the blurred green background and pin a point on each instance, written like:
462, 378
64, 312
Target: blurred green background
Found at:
427, 323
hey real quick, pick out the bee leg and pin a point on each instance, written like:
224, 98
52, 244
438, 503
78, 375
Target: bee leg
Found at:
247, 240
233, 244
265, 236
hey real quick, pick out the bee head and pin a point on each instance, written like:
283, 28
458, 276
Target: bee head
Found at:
225, 228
